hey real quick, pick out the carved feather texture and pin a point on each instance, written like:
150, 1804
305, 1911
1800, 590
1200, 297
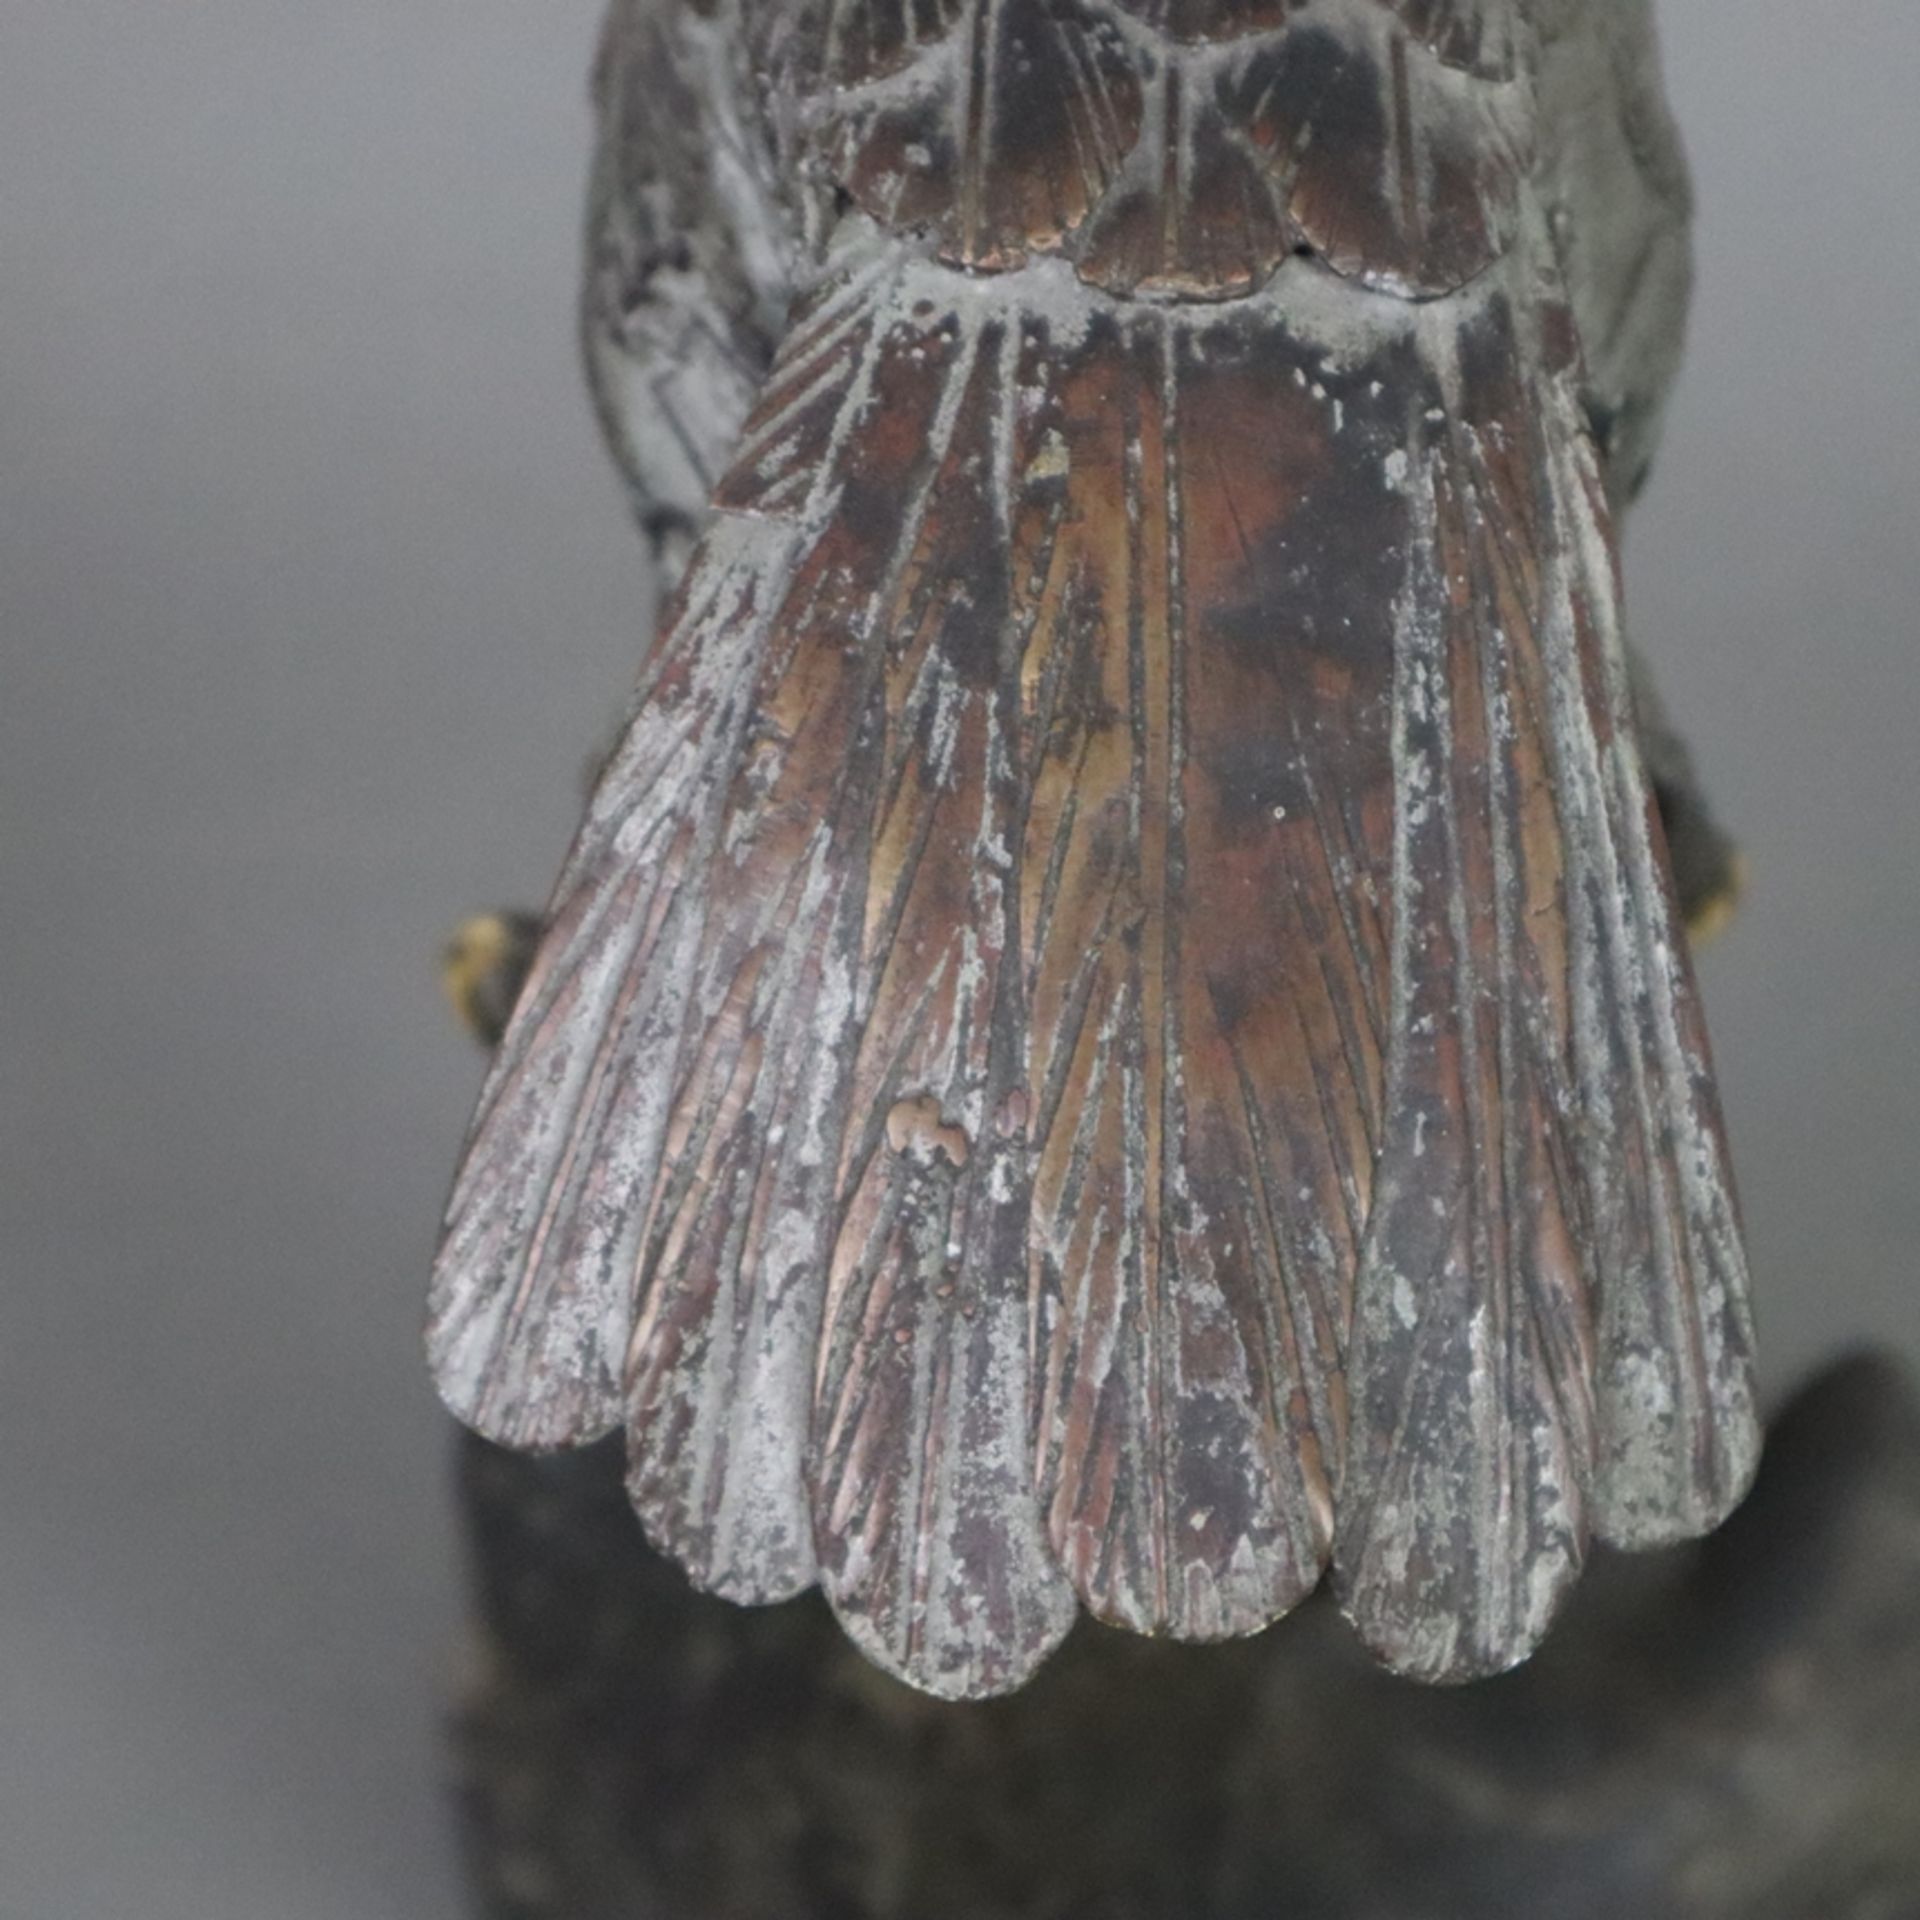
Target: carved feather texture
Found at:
1373, 133
1116, 1030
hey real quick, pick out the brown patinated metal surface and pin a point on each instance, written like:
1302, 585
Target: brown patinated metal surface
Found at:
1117, 1031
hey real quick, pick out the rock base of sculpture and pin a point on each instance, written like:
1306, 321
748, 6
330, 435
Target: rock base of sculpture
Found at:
1727, 1731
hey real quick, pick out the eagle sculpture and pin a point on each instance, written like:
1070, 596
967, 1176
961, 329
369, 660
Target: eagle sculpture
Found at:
1119, 1032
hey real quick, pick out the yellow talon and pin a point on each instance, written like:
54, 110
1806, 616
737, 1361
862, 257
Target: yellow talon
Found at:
482, 966
1715, 914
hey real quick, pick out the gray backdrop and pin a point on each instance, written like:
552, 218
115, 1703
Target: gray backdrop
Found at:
315, 592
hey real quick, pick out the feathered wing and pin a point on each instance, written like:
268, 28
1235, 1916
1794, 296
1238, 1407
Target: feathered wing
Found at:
1116, 1028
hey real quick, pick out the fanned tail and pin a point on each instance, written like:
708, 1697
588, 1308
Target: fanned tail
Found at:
1116, 1025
